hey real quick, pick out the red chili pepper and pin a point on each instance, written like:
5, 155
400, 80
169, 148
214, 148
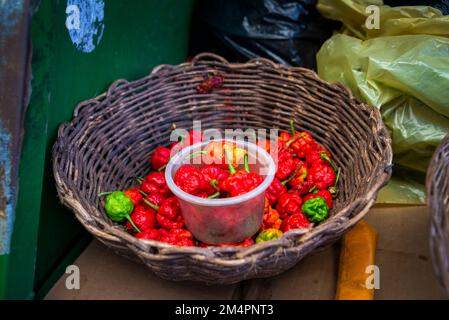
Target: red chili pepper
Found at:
325, 194
148, 188
318, 155
189, 179
321, 176
300, 176
303, 188
202, 194
284, 137
213, 80
286, 166
134, 195
289, 204
217, 151
153, 201
160, 157
143, 218
149, 234
240, 182
170, 208
271, 219
275, 190
302, 144
155, 183
295, 221
169, 224
168, 211
212, 175
177, 236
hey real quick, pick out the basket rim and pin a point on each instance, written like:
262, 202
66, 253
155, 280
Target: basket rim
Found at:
215, 254
438, 241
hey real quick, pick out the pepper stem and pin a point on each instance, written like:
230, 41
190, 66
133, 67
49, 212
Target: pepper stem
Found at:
289, 142
338, 177
161, 168
152, 205
139, 179
292, 176
334, 190
313, 189
214, 184
104, 193
245, 163
132, 223
324, 156
231, 168
193, 154
213, 196
292, 127
143, 193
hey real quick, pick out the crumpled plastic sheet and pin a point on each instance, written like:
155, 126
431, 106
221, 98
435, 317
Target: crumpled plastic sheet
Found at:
401, 68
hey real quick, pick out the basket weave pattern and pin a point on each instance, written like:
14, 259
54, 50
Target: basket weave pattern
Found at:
112, 136
438, 199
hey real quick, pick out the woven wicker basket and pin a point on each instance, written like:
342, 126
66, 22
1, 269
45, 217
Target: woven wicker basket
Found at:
111, 137
438, 199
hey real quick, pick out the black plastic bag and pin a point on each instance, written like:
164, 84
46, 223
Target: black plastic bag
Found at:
288, 32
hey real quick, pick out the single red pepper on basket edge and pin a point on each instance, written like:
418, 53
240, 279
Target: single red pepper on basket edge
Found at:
213, 80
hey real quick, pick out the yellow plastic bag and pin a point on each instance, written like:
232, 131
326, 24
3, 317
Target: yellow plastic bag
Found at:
402, 68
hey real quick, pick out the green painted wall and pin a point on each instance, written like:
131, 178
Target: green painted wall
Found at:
137, 36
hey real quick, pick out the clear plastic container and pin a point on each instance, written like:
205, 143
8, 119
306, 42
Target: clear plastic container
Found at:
227, 220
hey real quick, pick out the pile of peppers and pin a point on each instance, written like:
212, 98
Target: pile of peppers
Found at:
300, 196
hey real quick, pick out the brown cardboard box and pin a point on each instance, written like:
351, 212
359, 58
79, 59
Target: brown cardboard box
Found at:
402, 256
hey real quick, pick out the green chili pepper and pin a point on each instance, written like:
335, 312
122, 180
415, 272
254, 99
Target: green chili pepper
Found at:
269, 234
315, 209
119, 207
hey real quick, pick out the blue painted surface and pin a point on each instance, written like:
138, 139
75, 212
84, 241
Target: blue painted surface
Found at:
7, 194
10, 11
85, 23
10, 15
